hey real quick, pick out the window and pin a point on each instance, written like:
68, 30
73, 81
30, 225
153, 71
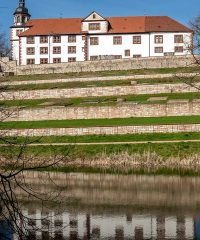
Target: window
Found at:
83, 49
178, 38
18, 19
56, 60
23, 19
30, 51
83, 37
44, 50
136, 39
158, 38
127, 53
30, 40
94, 26
93, 58
137, 55
117, 56
178, 49
94, 41
71, 38
18, 31
56, 39
56, 50
43, 60
71, 49
43, 39
158, 50
30, 61
117, 40
72, 59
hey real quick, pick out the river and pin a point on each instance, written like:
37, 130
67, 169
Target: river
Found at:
103, 206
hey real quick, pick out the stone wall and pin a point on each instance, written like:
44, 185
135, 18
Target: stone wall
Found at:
7, 65
108, 65
103, 130
120, 111
98, 91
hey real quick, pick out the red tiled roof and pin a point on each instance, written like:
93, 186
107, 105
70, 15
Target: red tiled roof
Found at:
117, 25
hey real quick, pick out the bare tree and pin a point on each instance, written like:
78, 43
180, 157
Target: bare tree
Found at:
194, 49
195, 26
4, 49
14, 162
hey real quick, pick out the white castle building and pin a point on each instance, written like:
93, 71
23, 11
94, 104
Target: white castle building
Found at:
42, 41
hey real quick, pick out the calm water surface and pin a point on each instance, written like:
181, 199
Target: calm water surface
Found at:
97, 206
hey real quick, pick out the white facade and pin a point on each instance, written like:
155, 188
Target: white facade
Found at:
95, 42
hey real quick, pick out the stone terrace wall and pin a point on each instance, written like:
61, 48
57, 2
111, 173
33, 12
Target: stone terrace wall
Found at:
108, 65
98, 91
120, 111
7, 66
103, 130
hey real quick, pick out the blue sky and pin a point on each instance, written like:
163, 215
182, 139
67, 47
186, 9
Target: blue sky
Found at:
181, 10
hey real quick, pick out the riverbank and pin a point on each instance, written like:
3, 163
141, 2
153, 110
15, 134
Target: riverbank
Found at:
176, 158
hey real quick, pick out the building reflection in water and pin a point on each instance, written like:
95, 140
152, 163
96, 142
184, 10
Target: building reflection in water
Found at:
107, 227
103, 206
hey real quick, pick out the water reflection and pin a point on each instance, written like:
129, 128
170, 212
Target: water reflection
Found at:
117, 207
86, 226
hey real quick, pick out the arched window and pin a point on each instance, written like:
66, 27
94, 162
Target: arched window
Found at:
18, 19
23, 19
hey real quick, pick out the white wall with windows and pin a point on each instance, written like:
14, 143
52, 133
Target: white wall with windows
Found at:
68, 48
166, 43
52, 51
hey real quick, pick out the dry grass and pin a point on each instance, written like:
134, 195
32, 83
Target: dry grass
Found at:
147, 162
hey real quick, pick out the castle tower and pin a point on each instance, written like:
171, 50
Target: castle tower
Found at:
21, 16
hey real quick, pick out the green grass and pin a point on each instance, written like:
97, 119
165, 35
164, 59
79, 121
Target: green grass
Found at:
107, 138
101, 122
87, 84
100, 101
103, 73
68, 85
165, 150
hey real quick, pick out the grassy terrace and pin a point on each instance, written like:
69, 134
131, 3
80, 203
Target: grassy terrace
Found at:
69, 85
108, 138
98, 101
162, 149
88, 84
101, 122
104, 73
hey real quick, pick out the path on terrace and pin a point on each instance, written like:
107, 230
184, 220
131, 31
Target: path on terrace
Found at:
105, 143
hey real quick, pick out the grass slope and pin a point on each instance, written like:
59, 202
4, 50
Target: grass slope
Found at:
106, 138
101, 122
100, 101
104, 73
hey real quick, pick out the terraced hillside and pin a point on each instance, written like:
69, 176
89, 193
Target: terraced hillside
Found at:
154, 111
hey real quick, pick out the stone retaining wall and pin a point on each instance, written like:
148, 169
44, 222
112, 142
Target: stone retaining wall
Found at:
98, 91
120, 111
7, 66
103, 130
108, 65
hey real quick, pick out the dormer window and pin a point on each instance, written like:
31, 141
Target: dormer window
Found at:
95, 22
94, 26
